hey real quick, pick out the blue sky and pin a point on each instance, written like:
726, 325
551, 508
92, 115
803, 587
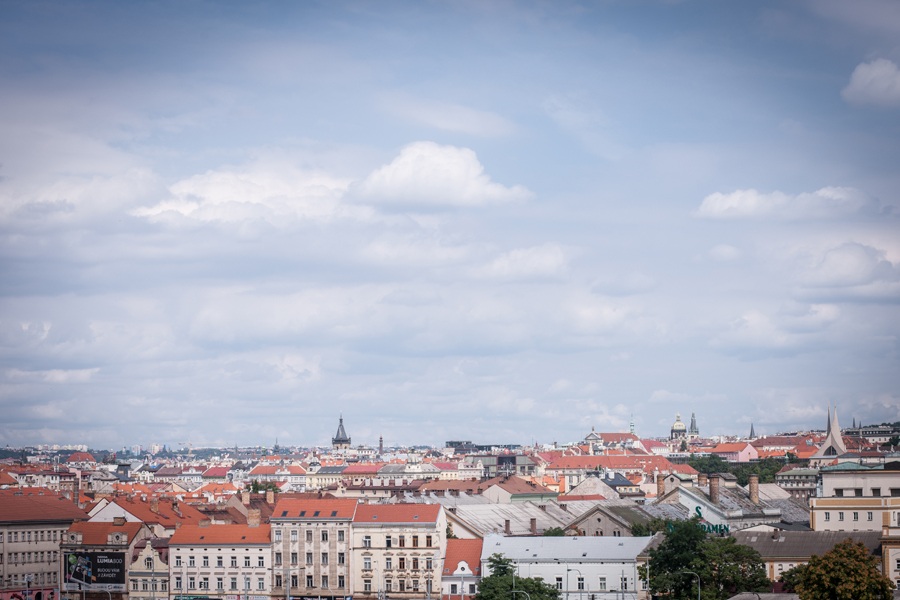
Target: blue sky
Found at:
506, 222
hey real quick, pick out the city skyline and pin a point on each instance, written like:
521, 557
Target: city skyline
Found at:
489, 221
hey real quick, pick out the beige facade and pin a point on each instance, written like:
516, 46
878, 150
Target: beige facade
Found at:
149, 576
854, 514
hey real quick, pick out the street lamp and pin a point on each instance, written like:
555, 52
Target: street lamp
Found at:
698, 581
527, 595
581, 577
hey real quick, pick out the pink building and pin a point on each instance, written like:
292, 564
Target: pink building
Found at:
740, 452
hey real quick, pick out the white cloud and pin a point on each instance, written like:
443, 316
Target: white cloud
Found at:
428, 174
724, 253
450, 117
547, 260
852, 264
788, 331
826, 203
876, 82
54, 375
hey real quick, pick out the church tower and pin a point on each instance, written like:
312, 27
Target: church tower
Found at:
341, 441
693, 432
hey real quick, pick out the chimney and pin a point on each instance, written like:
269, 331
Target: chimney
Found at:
118, 521
177, 524
154, 506
270, 497
660, 486
702, 480
253, 517
754, 489
245, 498
564, 507
533, 526
714, 481
506, 527
204, 523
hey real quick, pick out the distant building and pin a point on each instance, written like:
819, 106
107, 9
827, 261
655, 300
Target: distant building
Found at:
341, 441
679, 431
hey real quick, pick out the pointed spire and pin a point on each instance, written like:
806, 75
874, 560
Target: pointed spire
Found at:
752, 433
828, 423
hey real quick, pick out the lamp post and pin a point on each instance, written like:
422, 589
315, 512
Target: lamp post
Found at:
581, 577
567, 576
698, 581
287, 579
527, 595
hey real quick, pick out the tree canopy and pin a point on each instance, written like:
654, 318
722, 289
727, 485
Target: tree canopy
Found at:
654, 525
555, 532
846, 572
502, 581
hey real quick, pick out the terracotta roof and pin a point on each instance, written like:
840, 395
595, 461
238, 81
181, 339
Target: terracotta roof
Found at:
94, 533
289, 508
362, 469
7, 479
517, 485
730, 447
167, 517
80, 457
397, 513
50, 507
463, 550
216, 472
220, 534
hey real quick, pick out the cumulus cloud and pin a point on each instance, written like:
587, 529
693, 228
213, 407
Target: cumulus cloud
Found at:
547, 260
450, 117
428, 174
876, 83
854, 271
789, 331
826, 203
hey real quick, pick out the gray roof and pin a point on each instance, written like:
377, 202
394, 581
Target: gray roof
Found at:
331, 470
792, 509
491, 518
803, 544
733, 498
565, 548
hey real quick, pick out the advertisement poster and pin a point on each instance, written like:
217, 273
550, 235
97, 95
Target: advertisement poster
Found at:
94, 571
38, 593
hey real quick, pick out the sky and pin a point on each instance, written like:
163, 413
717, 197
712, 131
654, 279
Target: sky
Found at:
505, 222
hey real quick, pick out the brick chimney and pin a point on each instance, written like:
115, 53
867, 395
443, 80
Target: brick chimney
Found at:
660, 486
533, 526
204, 523
506, 527
253, 517
270, 497
714, 481
154, 506
754, 489
118, 521
702, 480
245, 498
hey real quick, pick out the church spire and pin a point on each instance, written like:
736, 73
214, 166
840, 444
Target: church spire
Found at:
752, 433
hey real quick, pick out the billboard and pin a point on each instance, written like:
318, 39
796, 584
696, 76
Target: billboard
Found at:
94, 571
35, 593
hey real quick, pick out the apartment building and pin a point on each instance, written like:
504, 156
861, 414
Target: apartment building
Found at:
398, 550
311, 547
31, 527
221, 562
149, 575
857, 499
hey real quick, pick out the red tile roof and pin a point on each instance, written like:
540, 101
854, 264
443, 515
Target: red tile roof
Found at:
362, 469
397, 513
80, 457
463, 550
50, 507
95, 533
7, 479
220, 534
730, 447
216, 472
290, 508
166, 515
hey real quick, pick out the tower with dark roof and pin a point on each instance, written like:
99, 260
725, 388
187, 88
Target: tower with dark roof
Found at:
752, 433
341, 441
693, 432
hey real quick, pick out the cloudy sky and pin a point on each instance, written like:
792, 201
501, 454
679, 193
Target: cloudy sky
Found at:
496, 221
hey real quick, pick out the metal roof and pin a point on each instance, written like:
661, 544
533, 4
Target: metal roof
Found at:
565, 549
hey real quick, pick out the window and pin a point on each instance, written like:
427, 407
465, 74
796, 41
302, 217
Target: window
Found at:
277, 535
309, 535
309, 558
856, 516
415, 563
148, 562
624, 587
428, 586
387, 585
367, 562
827, 516
876, 491
309, 581
340, 582
415, 541
260, 583
559, 583
895, 492
293, 558
340, 535
401, 541
839, 493
324, 535
428, 564
367, 585
340, 558
234, 561
246, 561
277, 558
177, 583
473, 589
428, 541
220, 583
204, 583
367, 541
857, 492
261, 561
205, 561
870, 516
325, 581
234, 582
401, 562
581, 583
840, 516
134, 585
219, 562
294, 581
387, 563
402, 585
163, 585
190, 561
191, 583
602, 584
387, 542
324, 558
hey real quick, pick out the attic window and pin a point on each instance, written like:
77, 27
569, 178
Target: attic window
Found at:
374, 516
584, 553
316, 514
202, 536
302, 513
334, 513
244, 537
284, 513
416, 517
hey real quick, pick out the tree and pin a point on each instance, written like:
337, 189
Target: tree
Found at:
791, 458
499, 584
450, 534
555, 532
677, 552
652, 526
846, 572
683, 447
257, 487
792, 578
709, 464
